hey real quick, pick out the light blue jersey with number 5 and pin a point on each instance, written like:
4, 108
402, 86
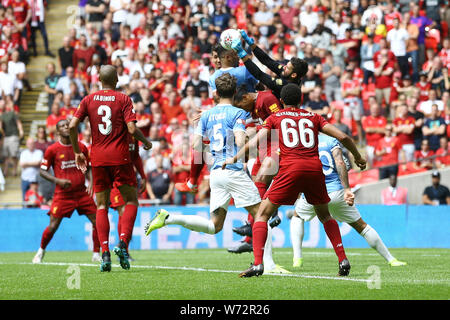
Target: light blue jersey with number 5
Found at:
218, 126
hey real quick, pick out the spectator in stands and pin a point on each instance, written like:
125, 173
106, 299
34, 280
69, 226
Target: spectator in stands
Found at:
419, 120
412, 46
384, 69
398, 37
19, 70
50, 83
96, 10
374, 127
367, 52
422, 23
42, 141
181, 166
433, 128
426, 106
195, 81
423, 158
351, 90
436, 194
443, 153
388, 150
64, 82
30, 160
38, 22
33, 198
159, 182
65, 55
404, 129
191, 101
316, 104
12, 134
394, 195
9, 85
331, 75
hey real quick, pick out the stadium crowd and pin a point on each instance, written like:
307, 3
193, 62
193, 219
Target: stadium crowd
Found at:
377, 69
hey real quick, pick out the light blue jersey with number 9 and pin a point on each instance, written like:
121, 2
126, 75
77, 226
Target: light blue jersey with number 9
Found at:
327, 145
218, 126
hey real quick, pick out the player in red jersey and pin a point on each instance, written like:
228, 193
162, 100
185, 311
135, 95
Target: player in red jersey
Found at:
115, 198
112, 119
70, 191
261, 105
300, 172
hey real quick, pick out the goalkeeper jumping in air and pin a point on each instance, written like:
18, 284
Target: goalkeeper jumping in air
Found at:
292, 72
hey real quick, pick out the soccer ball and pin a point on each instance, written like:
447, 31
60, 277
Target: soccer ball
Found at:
227, 37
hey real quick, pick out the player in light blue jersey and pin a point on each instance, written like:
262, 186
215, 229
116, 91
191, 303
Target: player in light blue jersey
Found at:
230, 64
224, 127
341, 206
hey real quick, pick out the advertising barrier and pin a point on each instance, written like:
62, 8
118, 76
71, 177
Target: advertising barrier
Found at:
399, 227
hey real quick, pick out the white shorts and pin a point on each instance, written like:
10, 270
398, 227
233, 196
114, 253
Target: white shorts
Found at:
227, 184
337, 206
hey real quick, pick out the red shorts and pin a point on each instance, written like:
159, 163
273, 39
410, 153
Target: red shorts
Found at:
288, 184
104, 177
115, 197
63, 205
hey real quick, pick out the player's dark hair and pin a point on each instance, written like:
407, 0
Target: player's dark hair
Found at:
60, 121
291, 94
221, 51
226, 85
216, 48
240, 93
300, 67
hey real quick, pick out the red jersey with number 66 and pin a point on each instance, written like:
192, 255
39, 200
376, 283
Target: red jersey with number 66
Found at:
298, 138
109, 112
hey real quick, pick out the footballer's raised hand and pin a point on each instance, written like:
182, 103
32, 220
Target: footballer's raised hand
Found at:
361, 163
148, 145
250, 41
236, 45
349, 197
80, 161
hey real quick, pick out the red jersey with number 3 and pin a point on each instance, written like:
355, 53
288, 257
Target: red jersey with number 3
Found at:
62, 158
109, 112
298, 138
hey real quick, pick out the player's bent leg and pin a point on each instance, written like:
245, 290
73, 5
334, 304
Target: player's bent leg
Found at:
265, 210
332, 230
47, 235
375, 241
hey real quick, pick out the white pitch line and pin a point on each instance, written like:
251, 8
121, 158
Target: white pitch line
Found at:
189, 269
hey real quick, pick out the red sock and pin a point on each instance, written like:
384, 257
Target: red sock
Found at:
259, 240
127, 223
102, 226
251, 220
332, 229
46, 237
95, 241
262, 188
196, 166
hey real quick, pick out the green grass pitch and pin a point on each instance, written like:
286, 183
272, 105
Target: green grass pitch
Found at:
212, 274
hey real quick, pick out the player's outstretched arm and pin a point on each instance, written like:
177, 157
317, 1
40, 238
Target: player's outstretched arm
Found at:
263, 57
252, 144
80, 159
138, 135
341, 169
343, 138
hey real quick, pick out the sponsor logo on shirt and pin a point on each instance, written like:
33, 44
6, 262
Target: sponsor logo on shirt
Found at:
68, 164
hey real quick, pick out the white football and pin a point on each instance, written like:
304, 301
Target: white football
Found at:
227, 37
